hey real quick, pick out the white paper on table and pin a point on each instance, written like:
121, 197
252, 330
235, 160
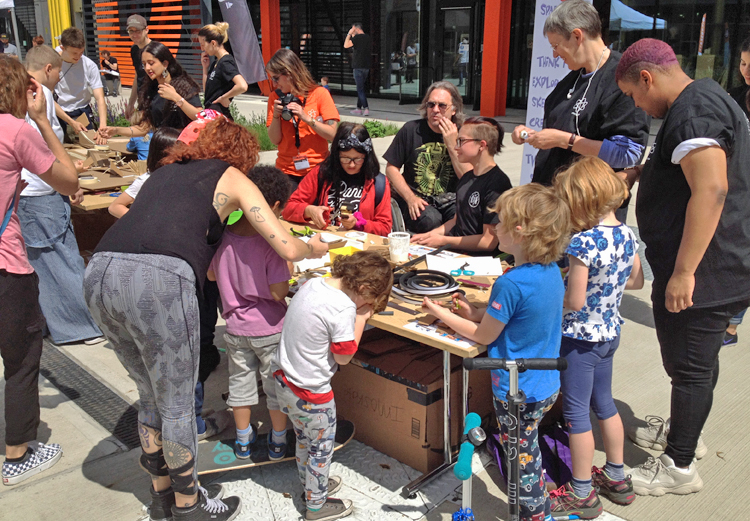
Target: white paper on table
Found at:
432, 331
481, 266
313, 264
416, 250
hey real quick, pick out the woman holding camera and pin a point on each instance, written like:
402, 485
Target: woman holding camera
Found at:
301, 118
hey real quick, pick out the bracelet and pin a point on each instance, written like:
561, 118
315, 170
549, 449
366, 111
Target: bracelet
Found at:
313, 123
179, 103
571, 141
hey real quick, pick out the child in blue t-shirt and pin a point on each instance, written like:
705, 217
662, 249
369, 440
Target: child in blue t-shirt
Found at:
522, 320
140, 145
603, 263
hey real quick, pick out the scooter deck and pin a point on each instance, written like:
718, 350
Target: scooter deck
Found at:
218, 456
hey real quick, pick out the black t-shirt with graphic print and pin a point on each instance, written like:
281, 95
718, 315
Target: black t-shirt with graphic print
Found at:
702, 110
604, 112
349, 193
474, 195
219, 82
427, 166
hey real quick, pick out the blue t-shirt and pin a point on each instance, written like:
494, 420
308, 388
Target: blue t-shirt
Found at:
528, 299
140, 146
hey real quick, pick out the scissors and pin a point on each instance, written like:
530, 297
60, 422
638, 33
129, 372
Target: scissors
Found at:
461, 271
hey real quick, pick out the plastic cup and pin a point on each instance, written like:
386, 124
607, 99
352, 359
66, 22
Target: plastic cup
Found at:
398, 246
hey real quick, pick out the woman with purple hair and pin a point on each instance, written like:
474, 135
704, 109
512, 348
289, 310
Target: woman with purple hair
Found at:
586, 114
694, 218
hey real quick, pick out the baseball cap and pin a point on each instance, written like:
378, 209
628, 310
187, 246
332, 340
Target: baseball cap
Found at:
3, 35
137, 21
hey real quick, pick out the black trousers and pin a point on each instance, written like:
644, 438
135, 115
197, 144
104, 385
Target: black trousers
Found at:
22, 325
430, 218
690, 342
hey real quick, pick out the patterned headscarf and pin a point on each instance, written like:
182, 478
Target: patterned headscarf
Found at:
353, 142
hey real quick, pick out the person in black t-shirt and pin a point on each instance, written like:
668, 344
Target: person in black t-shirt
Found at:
473, 226
111, 81
586, 114
138, 33
222, 80
357, 40
168, 98
693, 216
426, 148
740, 93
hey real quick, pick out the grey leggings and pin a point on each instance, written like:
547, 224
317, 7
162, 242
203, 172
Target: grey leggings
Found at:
147, 307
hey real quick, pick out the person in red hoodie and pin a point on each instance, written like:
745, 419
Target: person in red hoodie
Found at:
348, 184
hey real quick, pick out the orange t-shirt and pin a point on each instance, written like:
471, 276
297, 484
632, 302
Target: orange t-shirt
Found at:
319, 105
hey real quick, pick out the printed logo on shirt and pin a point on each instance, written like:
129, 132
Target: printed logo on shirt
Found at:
212, 75
474, 200
497, 306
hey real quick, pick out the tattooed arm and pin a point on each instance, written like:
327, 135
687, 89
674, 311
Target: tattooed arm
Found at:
235, 190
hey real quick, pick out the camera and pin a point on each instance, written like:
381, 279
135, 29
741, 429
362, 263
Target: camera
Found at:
286, 99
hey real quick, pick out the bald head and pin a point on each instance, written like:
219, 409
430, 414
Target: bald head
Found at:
646, 54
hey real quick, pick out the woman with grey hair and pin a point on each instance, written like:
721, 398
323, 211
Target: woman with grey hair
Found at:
426, 149
586, 114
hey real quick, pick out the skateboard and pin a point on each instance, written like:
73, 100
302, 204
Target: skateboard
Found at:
218, 456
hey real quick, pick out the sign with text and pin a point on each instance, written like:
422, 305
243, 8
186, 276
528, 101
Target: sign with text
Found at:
546, 72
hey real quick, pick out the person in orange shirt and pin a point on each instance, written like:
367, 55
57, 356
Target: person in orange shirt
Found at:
302, 116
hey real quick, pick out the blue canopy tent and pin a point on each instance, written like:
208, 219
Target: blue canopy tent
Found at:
624, 18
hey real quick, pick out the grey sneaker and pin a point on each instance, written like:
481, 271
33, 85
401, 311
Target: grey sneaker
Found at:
654, 436
332, 509
334, 485
659, 476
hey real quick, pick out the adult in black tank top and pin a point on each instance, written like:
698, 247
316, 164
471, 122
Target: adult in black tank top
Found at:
169, 236
222, 80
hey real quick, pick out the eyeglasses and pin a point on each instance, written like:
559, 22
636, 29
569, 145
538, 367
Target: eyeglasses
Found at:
134, 31
442, 106
350, 160
277, 78
462, 140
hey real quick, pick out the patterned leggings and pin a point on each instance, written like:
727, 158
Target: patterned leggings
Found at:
533, 496
147, 307
315, 427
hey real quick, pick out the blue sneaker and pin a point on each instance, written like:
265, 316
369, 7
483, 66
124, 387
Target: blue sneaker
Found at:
243, 451
276, 451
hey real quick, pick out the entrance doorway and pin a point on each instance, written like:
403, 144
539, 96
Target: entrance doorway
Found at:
460, 45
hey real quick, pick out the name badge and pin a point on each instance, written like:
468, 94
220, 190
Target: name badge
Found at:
301, 163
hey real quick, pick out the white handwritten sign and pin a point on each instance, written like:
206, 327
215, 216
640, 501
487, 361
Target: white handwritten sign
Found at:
546, 72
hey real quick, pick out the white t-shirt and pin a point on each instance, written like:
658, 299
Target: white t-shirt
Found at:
11, 49
318, 316
463, 50
37, 186
133, 189
75, 81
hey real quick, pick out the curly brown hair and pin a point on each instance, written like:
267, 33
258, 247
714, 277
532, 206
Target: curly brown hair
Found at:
219, 139
365, 273
16, 82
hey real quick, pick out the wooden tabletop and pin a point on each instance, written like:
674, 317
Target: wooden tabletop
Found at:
395, 323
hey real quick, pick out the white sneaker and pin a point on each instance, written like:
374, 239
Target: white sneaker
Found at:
356, 112
41, 458
94, 341
654, 436
660, 476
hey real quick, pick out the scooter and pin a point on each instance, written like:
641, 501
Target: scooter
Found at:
473, 437
515, 398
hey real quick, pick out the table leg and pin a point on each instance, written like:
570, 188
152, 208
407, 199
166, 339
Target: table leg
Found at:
410, 490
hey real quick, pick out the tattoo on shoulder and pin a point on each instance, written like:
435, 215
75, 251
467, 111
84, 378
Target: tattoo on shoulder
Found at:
255, 210
220, 200
273, 236
331, 122
282, 240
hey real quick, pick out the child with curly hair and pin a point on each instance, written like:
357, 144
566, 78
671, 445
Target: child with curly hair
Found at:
603, 263
322, 328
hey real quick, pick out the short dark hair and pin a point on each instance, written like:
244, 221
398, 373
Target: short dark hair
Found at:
272, 183
162, 140
105, 51
72, 37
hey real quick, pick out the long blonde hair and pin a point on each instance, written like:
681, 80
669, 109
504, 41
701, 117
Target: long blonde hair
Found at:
284, 61
218, 32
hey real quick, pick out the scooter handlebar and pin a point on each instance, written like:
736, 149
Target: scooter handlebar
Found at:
462, 470
539, 364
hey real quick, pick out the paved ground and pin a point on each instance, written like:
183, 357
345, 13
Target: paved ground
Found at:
98, 477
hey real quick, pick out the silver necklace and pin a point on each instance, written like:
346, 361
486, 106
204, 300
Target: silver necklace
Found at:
581, 104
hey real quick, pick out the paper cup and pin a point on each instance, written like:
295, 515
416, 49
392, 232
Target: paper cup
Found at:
399, 246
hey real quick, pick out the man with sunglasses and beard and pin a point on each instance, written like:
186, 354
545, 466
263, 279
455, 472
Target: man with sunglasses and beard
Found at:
426, 149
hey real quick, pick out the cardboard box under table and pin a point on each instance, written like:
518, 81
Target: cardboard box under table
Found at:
393, 392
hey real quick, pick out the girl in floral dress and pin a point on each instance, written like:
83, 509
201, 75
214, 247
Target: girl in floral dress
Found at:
603, 263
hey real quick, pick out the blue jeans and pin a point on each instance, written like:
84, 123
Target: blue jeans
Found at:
587, 381
360, 78
737, 319
53, 253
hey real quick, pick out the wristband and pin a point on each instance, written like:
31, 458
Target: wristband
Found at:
361, 221
571, 141
179, 103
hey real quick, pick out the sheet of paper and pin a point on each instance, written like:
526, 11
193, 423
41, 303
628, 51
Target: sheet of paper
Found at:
481, 266
415, 250
433, 331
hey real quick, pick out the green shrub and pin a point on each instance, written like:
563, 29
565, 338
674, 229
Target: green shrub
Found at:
256, 124
379, 129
